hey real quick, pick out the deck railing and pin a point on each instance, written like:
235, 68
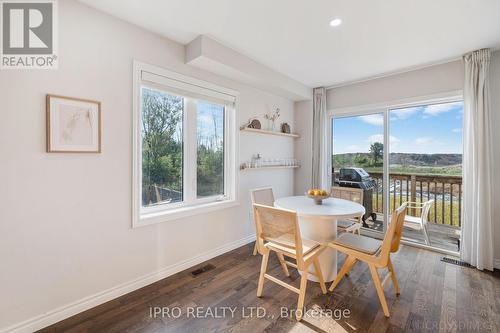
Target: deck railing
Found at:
445, 190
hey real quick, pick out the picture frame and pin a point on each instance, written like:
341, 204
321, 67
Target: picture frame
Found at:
73, 125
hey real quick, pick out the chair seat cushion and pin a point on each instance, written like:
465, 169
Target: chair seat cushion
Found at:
359, 243
286, 243
344, 224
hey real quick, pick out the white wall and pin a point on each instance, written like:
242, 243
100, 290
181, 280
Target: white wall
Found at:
65, 219
495, 105
303, 146
423, 82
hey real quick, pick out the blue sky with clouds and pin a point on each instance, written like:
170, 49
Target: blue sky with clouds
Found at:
427, 129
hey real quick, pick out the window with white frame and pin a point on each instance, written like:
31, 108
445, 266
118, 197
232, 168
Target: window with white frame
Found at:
184, 146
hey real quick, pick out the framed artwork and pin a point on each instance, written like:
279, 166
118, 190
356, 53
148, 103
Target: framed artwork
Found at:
73, 125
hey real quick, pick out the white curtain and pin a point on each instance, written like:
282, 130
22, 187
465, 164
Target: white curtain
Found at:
320, 162
477, 228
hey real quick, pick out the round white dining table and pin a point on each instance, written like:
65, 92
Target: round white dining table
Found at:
319, 223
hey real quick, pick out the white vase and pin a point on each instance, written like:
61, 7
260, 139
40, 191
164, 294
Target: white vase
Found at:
273, 125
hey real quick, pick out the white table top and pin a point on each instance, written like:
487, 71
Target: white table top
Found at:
331, 207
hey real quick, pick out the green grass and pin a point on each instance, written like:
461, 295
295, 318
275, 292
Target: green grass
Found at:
448, 210
452, 170
420, 170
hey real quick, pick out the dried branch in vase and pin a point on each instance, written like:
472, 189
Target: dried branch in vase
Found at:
272, 117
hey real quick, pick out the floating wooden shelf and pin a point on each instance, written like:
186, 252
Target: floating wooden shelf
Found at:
259, 131
271, 167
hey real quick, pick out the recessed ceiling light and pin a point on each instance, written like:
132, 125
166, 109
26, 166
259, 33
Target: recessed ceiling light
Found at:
335, 22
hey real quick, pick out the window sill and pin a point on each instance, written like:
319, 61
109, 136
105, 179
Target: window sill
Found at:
181, 212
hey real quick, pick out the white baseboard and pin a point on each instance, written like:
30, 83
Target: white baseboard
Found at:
89, 302
496, 263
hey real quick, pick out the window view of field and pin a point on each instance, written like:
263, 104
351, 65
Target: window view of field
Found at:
425, 159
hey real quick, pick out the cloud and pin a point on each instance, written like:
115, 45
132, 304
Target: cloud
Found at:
373, 119
380, 138
457, 130
375, 138
436, 109
354, 149
401, 114
425, 140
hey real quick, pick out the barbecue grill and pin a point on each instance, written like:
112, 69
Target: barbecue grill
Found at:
359, 178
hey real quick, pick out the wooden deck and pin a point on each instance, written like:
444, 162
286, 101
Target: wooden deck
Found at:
435, 297
441, 236
446, 191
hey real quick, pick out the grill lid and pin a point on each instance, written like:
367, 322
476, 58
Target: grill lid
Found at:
355, 177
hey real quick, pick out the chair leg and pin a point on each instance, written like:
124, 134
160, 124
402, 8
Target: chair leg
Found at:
302, 294
426, 235
263, 269
393, 277
283, 263
255, 249
348, 264
317, 268
379, 288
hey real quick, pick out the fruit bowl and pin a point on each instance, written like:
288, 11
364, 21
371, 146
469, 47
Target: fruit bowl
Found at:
318, 197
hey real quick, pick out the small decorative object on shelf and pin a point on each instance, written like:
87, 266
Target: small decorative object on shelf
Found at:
285, 128
272, 117
254, 123
256, 161
317, 195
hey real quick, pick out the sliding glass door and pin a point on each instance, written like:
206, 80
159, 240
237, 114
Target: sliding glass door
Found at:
410, 153
358, 161
425, 170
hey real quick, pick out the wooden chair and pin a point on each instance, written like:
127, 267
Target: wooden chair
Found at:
262, 196
352, 194
373, 252
265, 196
420, 222
278, 230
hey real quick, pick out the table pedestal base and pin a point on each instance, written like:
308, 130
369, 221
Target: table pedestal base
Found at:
321, 230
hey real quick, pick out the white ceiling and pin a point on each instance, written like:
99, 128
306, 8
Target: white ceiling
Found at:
294, 37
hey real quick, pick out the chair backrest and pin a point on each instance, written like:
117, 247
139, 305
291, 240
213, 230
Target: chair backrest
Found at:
262, 196
348, 193
426, 209
278, 226
392, 237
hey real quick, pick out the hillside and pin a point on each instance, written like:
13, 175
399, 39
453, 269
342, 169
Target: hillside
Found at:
405, 159
436, 160
406, 163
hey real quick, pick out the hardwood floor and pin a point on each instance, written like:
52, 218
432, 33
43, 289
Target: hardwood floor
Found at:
435, 297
